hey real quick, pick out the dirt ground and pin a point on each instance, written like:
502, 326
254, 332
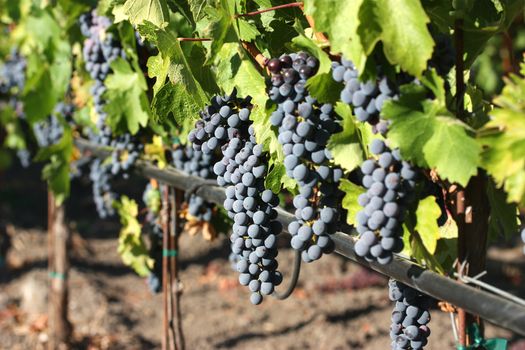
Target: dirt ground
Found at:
338, 305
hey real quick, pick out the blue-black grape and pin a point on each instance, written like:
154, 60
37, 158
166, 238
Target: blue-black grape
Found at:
410, 317
305, 126
225, 127
383, 204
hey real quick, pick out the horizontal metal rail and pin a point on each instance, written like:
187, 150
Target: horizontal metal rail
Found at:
497, 310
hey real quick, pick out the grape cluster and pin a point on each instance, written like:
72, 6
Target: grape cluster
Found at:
49, 131
13, 73
366, 98
410, 317
304, 129
225, 126
196, 163
389, 182
126, 151
100, 176
151, 197
12, 82
99, 50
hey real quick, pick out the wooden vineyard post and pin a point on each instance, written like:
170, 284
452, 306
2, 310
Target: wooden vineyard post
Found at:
471, 204
176, 290
58, 265
164, 190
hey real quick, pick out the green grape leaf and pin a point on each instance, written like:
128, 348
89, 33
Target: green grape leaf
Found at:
172, 64
247, 31
48, 71
503, 142
401, 26
349, 202
483, 20
174, 99
154, 11
131, 247
221, 27
127, 105
339, 19
429, 136
427, 213
272, 180
346, 147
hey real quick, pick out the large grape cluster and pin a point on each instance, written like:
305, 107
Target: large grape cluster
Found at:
389, 182
410, 317
100, 176
100, 49
225, 125
304, 129
196, 163
366, 98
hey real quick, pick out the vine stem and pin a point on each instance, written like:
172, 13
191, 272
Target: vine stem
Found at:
460, 196
273, 8
509, 62
255, 53
318, 35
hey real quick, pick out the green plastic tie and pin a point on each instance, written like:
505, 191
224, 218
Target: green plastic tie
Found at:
478, 342
169, 252
57, 275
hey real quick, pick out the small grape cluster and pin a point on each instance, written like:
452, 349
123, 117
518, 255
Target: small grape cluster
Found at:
367, 98
126, 151
304, 129
225, 126
389, 182
13, 73
410, 317
200, 164
49, 131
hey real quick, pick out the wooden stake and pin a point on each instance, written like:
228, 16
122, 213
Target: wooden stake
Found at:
176, 291
58, 264
472, 208
165, 272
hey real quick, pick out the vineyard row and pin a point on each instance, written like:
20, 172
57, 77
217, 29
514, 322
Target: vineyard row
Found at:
493, 308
